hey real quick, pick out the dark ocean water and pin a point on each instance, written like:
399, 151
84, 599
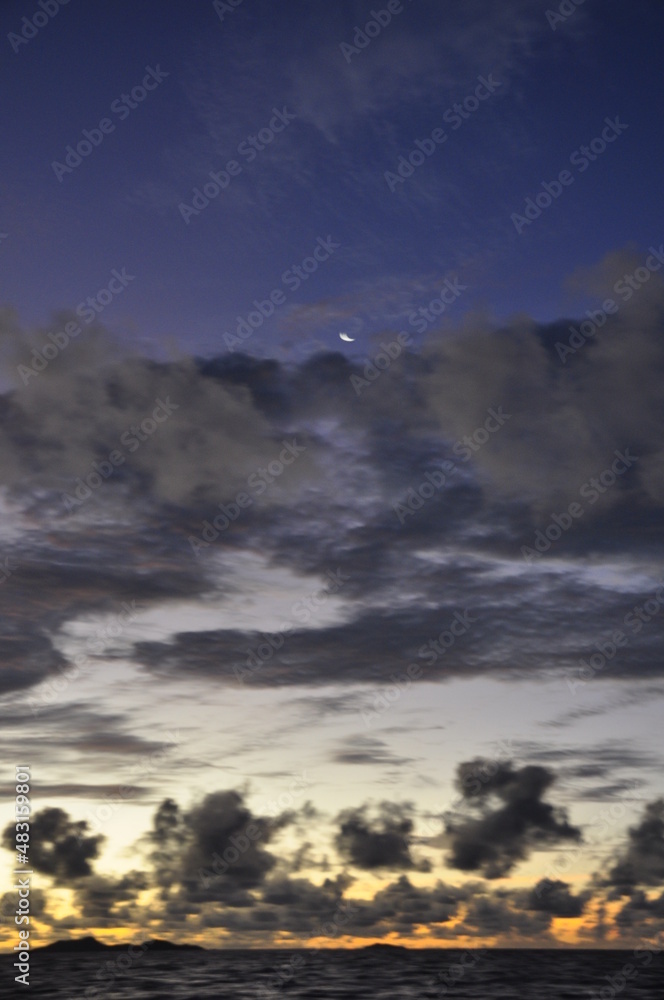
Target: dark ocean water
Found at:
477, 975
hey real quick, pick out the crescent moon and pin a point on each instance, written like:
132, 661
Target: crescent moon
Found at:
349, 340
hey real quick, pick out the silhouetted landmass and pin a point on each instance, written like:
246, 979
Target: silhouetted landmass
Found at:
90, 945
156, 944
385, 947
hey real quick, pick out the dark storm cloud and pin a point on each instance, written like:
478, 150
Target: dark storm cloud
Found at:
334, 508
59, 846
506, 818
382, 842
641, 863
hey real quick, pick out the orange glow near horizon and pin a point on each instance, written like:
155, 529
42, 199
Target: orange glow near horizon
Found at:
573, 932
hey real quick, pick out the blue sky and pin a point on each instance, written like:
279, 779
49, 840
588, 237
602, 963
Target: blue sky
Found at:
324, 175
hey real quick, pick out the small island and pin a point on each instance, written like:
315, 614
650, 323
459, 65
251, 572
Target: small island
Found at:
90, 945
384, 947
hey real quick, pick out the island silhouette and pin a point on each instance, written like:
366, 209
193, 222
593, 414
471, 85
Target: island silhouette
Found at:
91, 945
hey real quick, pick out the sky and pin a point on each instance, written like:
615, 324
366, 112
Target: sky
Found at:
323, 639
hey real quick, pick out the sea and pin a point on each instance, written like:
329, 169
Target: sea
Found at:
356, 975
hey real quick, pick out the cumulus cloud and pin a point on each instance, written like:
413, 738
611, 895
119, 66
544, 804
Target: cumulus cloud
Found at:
59, 846
38, 908
382, 842
506, 817
104, 901
492, 916
212, 867
554, 897
183, 438
643, 912
216, 850
402, 906
641, 862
